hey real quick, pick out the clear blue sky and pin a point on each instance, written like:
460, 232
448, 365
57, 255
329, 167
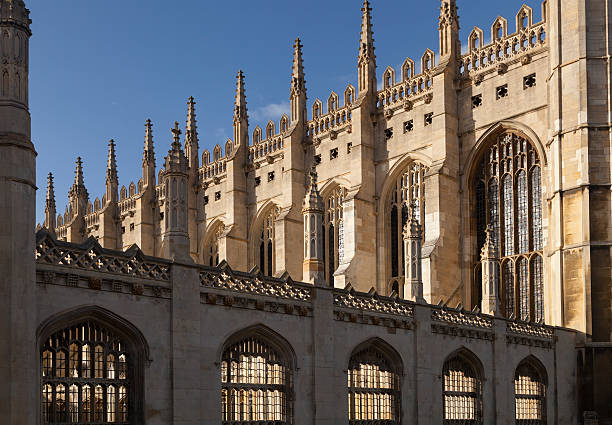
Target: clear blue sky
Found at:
98, 69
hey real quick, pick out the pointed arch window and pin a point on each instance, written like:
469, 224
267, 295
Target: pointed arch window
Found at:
530, 394
507, 195
79, 383
211, 250
462, 391
374, 395
265, 247
333, 225
408, 187
256, 383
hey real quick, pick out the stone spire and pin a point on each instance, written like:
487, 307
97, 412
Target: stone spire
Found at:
240, 108
112, 179
148, 156
191, 137
490, 276
298, 84
450, 45
50, 212
241, 119
413, 282
367, 58
111, 164
78, 196
312, 209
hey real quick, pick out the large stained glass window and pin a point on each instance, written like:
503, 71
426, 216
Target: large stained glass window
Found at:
256, 384
86, 376
373, 388
408, 187
507, 193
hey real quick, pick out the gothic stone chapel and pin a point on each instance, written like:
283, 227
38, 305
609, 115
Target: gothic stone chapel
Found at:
432, 249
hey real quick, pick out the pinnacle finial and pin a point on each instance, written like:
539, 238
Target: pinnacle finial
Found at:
240, 109
366, 47
78, 173
111, 166
297, 74
191, 130
489, 249
148, 155
50, 200
312, 175
176, 133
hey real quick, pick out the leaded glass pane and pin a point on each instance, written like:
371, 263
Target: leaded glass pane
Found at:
522, 211
536, 209
530, 396
373, 388
508, 197
462, 389
83, 388
508, 285
523, 283
408, 189
255, 384
538, 288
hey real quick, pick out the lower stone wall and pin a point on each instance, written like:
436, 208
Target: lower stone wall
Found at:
322, 327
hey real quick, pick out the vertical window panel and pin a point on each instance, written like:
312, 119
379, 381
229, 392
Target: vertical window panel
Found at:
522, 211
536, 208
508, 286
538, 287
523, 283
508, 198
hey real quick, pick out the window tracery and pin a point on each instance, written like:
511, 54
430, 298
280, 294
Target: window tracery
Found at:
409, 187
265, 246
514, 211
333, 227
256, 383
86, 374
462, 390
373, 388
530, 395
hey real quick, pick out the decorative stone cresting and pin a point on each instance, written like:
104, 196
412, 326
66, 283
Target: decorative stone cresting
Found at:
91, 256
255, 284
530, 329
461, 318
372, 302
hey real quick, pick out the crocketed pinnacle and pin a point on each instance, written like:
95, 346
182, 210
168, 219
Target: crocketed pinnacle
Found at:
366, 46
312, 201
148, 155
50, 200
78, 173
240, 108
191, 130
111, 166
412, 228
489, 249
448, 13
297, 74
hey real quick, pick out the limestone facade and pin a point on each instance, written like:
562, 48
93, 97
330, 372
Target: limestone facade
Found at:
451, 226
